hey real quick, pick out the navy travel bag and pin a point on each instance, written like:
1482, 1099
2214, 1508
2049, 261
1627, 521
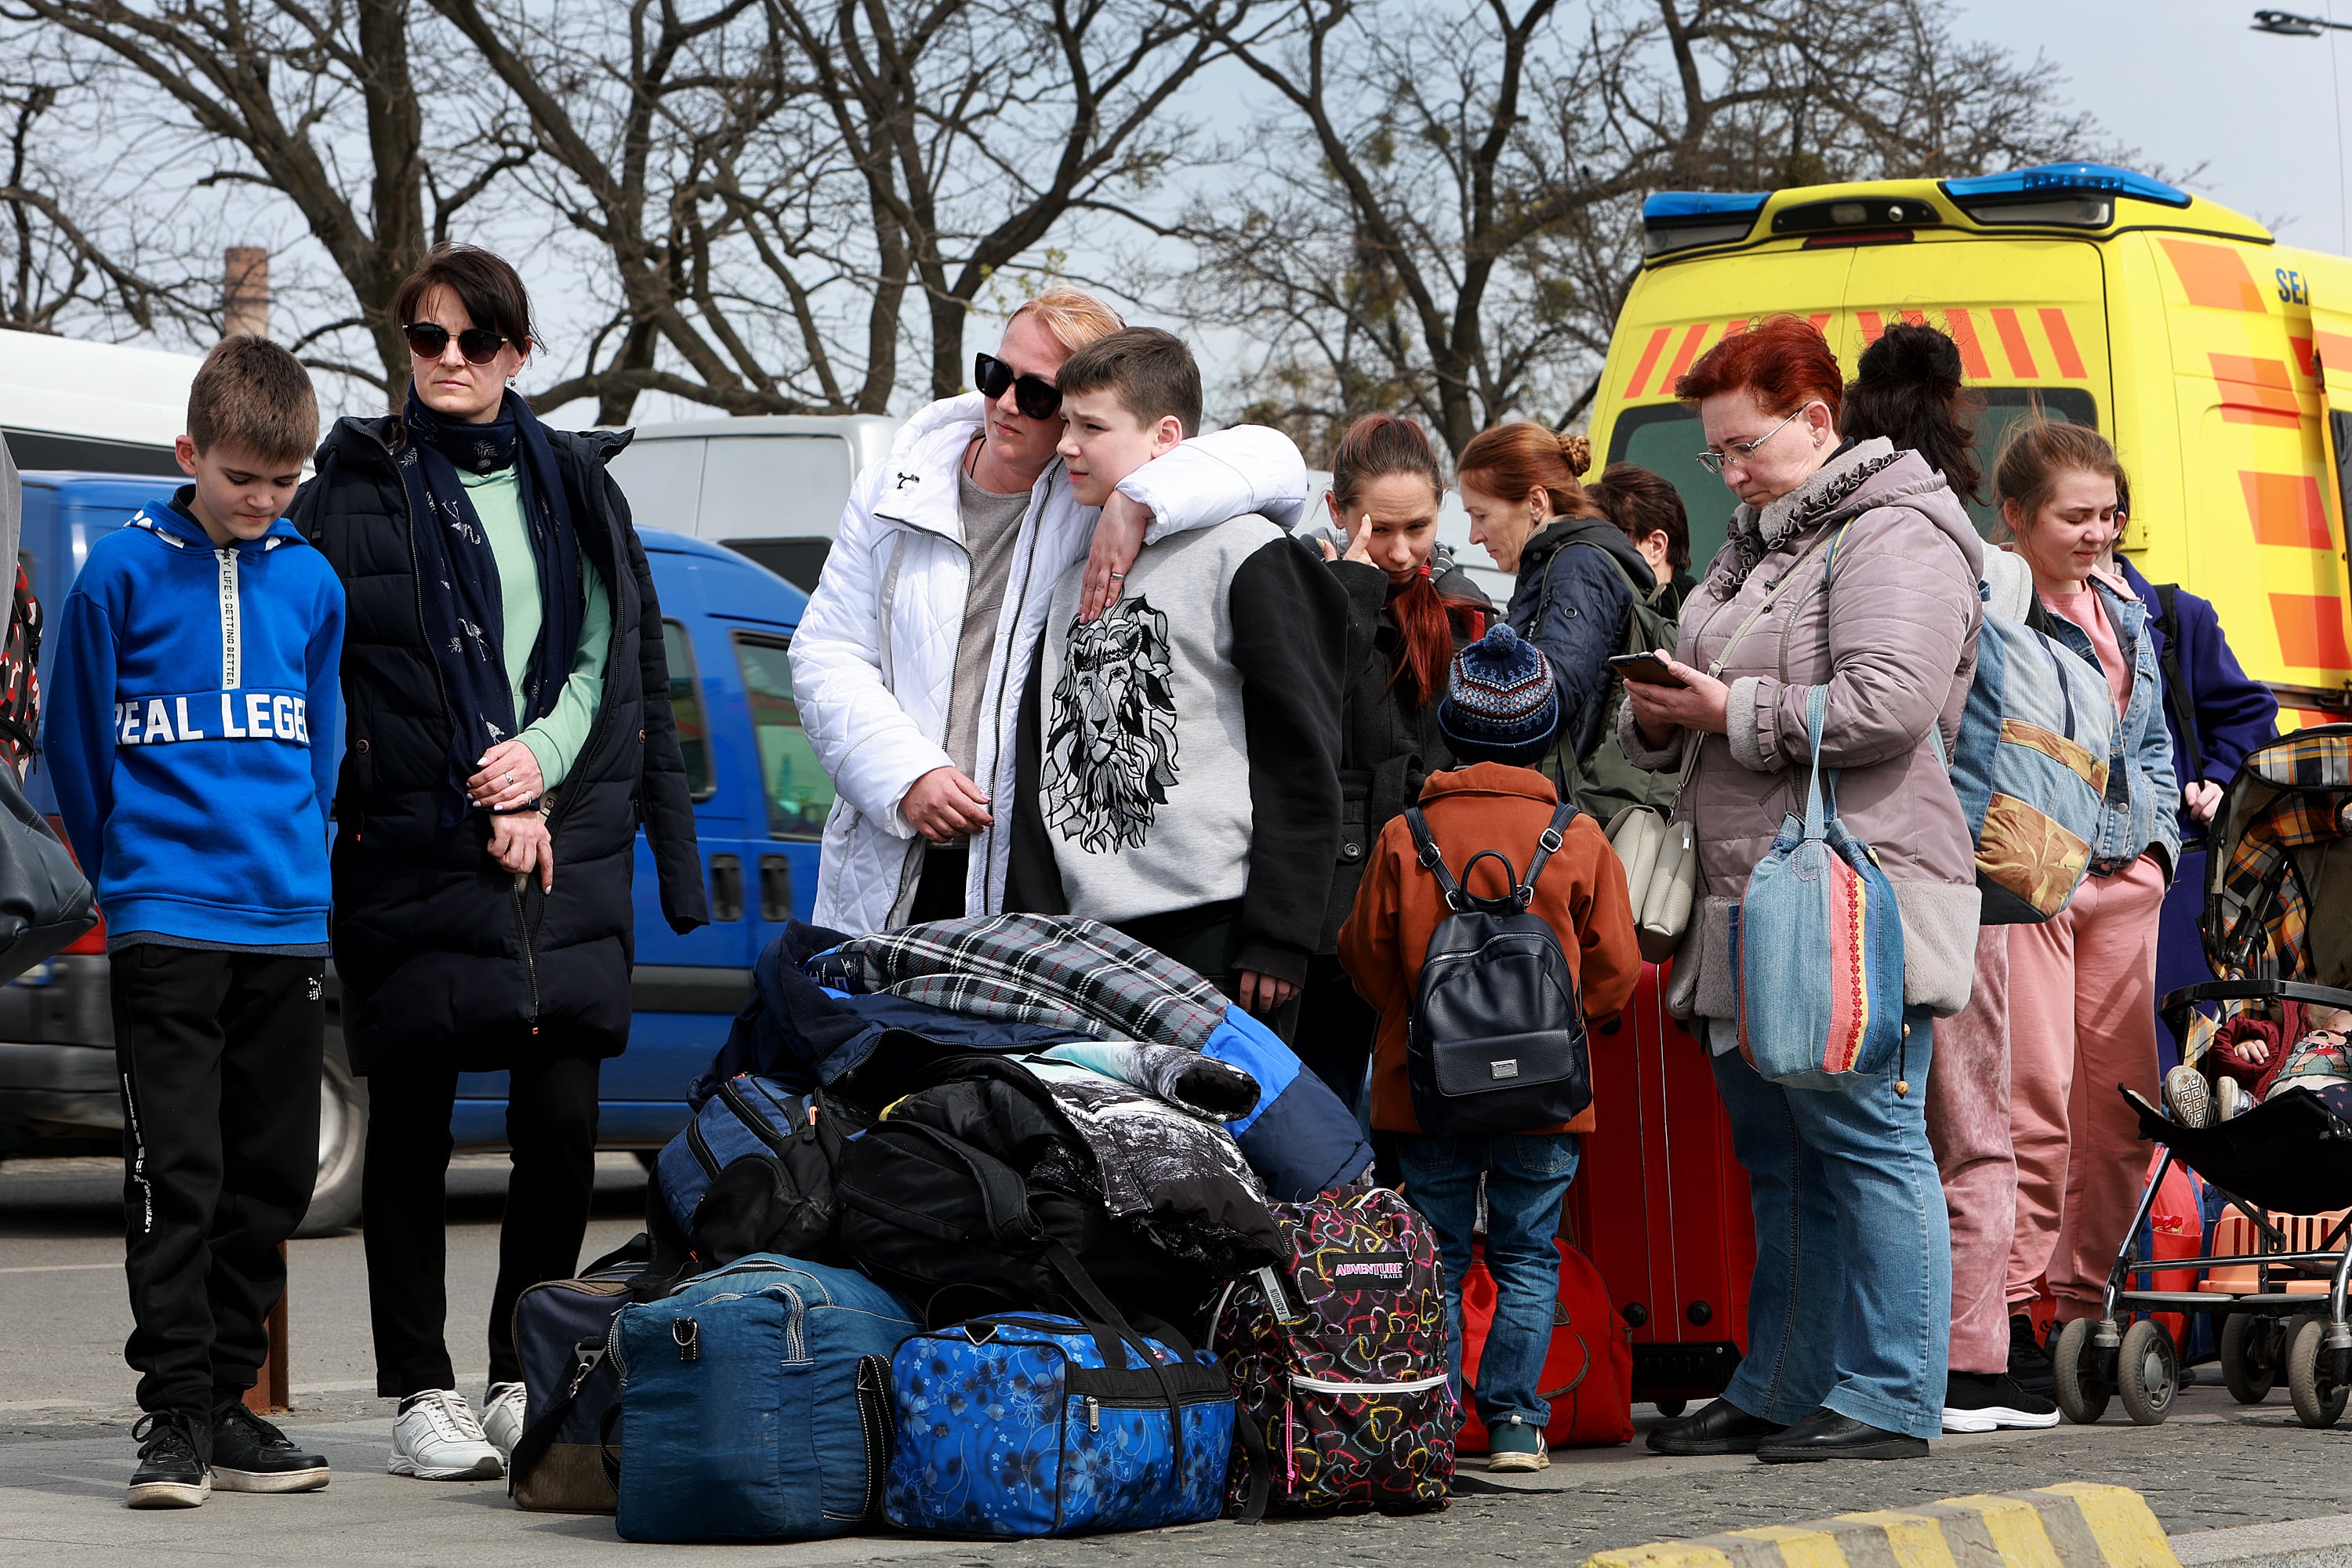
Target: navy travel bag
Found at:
753, 1173
561, 1330
1030, 1424
755, 1404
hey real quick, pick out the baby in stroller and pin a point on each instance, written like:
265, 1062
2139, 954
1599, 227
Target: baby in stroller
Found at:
2247, 1066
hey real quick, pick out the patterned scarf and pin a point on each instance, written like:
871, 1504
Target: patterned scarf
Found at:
458, 577
1755, 533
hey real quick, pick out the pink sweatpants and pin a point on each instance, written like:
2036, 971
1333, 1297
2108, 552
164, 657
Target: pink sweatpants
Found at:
2081, 1020
1969, 1127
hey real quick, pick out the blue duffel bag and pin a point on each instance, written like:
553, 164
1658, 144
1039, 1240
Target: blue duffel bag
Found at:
755, 1404
1029, 1423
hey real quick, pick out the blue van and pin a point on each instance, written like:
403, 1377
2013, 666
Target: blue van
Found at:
759, 806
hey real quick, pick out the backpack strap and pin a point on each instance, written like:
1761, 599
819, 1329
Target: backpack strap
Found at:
1431, 859
2176, 686
1640, 594
1552, 837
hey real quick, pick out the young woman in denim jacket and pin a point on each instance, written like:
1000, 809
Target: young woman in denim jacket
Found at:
2082, 1018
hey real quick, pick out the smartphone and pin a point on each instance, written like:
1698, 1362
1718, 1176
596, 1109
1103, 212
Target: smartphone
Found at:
1645, 667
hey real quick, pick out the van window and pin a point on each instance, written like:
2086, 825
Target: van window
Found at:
663, 481
799, 794
1666, 438
686, 706
770, 487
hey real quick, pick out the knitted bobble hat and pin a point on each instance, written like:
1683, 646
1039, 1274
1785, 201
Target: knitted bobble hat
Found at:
1501, 705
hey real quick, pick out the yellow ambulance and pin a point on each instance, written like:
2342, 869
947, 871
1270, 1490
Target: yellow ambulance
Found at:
2218, 361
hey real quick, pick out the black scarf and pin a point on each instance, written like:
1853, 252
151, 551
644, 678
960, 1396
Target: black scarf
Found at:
458, 577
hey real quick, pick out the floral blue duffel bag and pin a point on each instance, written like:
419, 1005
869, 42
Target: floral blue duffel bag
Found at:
1028, 1424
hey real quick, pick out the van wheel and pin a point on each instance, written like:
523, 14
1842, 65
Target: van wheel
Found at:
343, 1146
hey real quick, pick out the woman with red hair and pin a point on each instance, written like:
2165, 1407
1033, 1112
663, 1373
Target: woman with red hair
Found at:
1849, 1317
1409, 609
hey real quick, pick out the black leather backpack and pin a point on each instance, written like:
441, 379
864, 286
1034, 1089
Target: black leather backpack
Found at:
1496, 1040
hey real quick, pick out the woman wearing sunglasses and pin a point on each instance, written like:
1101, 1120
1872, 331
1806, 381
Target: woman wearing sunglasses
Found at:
909, 661
508, 709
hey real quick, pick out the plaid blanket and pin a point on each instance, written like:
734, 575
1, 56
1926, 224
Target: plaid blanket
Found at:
1034, 969
2264, 909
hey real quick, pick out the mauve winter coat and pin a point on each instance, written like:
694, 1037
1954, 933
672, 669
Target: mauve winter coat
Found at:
1894, 640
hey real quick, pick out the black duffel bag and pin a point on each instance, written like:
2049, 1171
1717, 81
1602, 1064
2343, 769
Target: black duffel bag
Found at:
955, 1198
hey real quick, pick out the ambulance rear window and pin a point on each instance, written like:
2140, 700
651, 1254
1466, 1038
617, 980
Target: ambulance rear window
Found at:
1666, 438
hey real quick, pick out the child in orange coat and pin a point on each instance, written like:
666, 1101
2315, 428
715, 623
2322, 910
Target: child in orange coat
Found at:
1499, 717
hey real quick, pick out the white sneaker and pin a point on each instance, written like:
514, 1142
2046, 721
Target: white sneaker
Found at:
2185, 1090
436, 1438
502, 1409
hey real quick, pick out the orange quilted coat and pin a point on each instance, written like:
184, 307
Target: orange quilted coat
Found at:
1581, 895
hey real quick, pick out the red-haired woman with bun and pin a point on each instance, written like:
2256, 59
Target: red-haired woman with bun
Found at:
1849, 1315
1578, 576
1409, 609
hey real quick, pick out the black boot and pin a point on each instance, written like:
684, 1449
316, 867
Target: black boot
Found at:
1721, 1428
249, 1455
174, 1460
1826, 1435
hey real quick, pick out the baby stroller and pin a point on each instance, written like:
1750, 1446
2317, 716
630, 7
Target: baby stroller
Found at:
2277, 927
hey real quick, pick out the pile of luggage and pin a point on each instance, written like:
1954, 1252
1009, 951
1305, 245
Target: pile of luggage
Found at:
994, 1227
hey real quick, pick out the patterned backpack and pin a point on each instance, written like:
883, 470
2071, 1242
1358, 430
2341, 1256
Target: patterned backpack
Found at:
1339, 1354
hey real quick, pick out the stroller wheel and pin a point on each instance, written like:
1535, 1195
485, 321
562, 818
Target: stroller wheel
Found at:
2085, 1383
2318, 1397
2148, 1373
2250, 1355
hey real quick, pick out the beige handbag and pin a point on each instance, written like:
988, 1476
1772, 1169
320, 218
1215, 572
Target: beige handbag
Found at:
1661, 854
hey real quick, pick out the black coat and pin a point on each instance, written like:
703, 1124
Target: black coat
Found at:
440, 956
1387, 746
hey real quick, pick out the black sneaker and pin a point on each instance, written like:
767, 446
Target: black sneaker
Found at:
1988, 1401
2029, 1361
249, 1455
174, 1460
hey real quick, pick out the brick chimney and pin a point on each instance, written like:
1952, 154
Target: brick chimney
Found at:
244, 291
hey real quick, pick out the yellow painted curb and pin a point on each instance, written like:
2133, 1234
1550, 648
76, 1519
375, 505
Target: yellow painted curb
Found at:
2074, 1524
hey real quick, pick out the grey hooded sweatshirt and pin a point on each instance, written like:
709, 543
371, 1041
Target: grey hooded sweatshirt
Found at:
1893, 639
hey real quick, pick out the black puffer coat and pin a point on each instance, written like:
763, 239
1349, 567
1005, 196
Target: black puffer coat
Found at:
1387, 746
440, 957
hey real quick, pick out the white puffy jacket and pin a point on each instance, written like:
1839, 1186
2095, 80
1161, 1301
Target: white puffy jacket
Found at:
873, 658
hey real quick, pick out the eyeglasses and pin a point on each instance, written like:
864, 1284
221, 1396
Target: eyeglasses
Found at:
1740, 451
430, 340
1033, 394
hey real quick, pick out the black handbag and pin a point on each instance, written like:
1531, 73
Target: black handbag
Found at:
44, 900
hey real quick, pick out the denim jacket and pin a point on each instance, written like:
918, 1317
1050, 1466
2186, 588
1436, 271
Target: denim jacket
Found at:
2139, 814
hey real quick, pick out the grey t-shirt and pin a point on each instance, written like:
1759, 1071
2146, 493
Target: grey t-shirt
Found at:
992, 524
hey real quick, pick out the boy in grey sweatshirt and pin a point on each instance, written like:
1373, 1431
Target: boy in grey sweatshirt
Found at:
1179, 755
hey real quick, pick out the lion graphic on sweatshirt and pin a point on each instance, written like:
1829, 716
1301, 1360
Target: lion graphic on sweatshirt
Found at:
1110, 739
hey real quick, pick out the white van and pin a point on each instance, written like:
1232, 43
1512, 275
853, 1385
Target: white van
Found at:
771, 487
99, 408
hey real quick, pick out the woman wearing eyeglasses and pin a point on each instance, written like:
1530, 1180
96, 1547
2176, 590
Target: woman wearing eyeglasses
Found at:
1848, 1317
508, 702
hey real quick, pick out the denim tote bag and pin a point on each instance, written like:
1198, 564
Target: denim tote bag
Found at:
1817, 947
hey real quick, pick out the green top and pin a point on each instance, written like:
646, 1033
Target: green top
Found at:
555, 741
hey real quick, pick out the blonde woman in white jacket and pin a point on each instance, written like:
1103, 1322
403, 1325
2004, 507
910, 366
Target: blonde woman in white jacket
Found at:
909, 661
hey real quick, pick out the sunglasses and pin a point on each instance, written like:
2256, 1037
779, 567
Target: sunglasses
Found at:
430, 340
1033, 394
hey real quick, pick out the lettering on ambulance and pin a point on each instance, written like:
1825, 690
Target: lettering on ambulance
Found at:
243, 716
2291, 288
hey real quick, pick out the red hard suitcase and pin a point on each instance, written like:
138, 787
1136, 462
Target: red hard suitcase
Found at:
1660, 1205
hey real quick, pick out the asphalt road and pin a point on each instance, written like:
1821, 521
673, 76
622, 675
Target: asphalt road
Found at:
2226, 1480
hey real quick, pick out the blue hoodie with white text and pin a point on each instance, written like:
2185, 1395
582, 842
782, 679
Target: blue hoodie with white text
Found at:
192, 730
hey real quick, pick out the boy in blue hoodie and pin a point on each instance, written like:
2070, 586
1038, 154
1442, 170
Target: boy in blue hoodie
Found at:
192, 740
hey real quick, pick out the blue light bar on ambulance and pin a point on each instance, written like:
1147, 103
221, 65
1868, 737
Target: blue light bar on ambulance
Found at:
2077, 195
1684, 220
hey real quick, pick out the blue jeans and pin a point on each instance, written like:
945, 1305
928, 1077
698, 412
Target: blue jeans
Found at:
1852, 1306
1526, 1175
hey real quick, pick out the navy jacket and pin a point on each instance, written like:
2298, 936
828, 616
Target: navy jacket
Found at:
2235, 713
1573, 605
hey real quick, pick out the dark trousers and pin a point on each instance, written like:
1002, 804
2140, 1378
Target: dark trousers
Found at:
1206, 940
218, 1058
403, 1192
1335, 1029
939, 893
